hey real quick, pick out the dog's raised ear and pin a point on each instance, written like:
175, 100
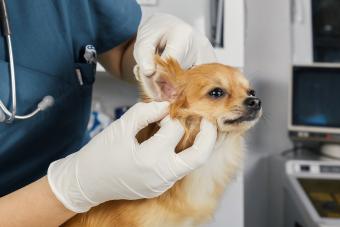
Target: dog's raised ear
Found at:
163, 85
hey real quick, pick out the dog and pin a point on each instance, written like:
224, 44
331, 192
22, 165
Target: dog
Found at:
217, 92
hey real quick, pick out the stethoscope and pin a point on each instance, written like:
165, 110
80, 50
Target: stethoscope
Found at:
7, 115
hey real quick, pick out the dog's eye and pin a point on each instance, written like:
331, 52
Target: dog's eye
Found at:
251, 92
216, 93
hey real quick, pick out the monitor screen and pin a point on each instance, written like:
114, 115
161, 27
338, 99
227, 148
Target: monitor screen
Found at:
316, 96
324, 195
326, 30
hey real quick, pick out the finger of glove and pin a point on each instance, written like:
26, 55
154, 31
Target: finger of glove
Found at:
168, 135
179, 46
196, 155
144, 52
142, 114
206, 53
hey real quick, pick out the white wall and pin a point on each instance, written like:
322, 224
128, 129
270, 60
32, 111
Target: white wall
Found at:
267, 65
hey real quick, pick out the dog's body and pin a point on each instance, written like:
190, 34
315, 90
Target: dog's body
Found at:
192, 200
189, 202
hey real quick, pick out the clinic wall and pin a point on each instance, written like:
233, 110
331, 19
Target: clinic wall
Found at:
267, 65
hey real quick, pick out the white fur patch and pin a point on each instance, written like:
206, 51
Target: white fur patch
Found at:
220, 168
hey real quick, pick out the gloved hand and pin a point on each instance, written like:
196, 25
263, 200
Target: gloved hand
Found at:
178, 40
113, 165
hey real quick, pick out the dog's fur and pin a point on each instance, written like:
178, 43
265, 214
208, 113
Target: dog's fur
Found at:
192, 200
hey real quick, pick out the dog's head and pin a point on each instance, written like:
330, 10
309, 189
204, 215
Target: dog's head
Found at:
216, 92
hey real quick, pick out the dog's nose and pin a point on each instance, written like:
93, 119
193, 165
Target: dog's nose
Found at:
252, 103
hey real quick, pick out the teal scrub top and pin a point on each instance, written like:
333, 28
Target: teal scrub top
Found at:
48, 37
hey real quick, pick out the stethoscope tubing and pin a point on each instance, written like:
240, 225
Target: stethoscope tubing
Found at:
13, 82
9, 116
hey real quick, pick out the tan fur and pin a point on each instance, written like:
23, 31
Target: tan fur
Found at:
192, 200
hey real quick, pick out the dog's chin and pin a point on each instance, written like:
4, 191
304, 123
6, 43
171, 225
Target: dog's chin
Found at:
240, 123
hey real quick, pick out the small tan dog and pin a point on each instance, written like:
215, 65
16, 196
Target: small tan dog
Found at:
216, 92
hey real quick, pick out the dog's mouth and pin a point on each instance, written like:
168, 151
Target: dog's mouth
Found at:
244, 118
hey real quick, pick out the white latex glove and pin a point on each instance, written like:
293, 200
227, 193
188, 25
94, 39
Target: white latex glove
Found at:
178, 39
113, 165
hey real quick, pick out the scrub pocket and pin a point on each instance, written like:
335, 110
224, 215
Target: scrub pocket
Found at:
85, 77
85, 74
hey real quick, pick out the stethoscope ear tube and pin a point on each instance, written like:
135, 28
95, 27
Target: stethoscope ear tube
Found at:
6, 30
44, 104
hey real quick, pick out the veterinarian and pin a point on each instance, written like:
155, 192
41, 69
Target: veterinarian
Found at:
48, 39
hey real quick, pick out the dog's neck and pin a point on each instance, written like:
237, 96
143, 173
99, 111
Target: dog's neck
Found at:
203, 188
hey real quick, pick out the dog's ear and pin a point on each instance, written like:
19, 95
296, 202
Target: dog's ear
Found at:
164, 84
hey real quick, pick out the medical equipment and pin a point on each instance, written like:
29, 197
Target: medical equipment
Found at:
304, 190
7, 115
314, 193
315, 31
314, 115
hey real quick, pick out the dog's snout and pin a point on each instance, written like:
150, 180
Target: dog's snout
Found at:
252, 103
